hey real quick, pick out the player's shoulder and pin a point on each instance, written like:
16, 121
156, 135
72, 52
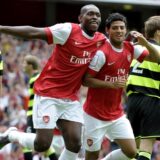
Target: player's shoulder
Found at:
75, 26
104, 49
128, 45
100, 34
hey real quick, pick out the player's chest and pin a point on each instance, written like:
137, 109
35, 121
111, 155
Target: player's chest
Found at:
82, 47
116, 60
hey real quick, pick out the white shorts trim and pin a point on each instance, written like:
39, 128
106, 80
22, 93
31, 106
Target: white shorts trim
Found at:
46, 111
96, 129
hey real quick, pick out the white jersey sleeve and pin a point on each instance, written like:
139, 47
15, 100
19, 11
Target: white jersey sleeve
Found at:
60, 32
138, 50
98, 61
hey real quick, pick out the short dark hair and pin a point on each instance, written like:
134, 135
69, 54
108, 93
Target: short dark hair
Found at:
85, 8
115, 17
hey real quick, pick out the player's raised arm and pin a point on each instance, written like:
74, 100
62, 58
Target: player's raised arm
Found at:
27, 32
154, 51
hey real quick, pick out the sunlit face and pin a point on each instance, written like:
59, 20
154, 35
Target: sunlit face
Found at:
117, 32
91, 19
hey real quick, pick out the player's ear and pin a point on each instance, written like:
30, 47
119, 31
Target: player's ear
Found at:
80, 18
106, 30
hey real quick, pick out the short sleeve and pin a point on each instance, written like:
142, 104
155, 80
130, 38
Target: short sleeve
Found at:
140, 52
59, 33
98, 61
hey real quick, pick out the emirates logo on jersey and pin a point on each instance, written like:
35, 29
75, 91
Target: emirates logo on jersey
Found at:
89, 142
46, 119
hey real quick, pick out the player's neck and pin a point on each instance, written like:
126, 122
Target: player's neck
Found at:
117, 45
32, 73
89, 33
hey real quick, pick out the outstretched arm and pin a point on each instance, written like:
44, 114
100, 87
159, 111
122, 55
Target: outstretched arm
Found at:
27, 32
154, 52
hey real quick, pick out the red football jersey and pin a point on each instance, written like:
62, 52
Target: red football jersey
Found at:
63, 73
110, 64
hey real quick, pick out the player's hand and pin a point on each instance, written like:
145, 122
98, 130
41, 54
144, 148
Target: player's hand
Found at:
141, 40
120, 83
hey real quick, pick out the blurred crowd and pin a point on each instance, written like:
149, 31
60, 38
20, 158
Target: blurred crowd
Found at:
14, 98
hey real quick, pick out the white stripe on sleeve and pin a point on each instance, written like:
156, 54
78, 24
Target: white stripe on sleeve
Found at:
61, 32
138, 50
98, 61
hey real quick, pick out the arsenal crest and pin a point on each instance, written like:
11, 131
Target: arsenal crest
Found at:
46, 119
89, 142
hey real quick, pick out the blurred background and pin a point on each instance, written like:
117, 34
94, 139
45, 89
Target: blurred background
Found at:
49, 12
40, 13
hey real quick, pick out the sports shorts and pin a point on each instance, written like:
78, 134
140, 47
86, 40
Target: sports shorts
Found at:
46, 111
95, 130
144, 115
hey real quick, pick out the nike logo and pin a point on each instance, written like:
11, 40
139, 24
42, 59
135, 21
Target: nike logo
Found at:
110, 63
77, 43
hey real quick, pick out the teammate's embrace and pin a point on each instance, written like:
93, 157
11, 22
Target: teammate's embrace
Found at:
56, 89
